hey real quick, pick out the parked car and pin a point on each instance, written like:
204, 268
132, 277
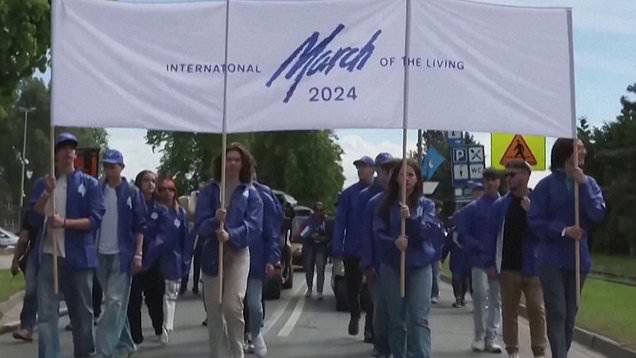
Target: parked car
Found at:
7, 238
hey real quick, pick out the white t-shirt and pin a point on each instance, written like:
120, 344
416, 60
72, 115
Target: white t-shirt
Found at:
108, 236
61, 185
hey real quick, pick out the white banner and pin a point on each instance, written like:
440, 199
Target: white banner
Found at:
486, 68
155, 66
311, 65
319, 64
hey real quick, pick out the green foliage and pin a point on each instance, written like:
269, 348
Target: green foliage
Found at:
611, 160
302, 163
33, 94
24, 40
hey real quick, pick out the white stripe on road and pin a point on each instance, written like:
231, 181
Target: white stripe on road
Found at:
272, 321
293, 319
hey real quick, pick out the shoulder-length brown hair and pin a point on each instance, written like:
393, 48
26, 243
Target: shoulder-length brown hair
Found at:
392, 192
247, 163
160, 181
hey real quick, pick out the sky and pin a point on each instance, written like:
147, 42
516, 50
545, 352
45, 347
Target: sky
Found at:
604, 55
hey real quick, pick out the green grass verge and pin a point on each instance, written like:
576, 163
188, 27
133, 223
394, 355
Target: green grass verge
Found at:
618, 265
9, 284
608, 309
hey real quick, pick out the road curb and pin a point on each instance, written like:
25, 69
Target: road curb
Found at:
593, 341
11, 303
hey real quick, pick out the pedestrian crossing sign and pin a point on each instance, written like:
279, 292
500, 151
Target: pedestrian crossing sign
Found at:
506, 147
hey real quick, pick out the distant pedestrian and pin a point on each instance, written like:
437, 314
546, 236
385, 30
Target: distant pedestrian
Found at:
551, 219
25, 260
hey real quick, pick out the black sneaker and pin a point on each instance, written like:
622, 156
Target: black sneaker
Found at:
353, 326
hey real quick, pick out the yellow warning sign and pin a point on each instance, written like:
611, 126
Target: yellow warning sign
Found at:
515, 146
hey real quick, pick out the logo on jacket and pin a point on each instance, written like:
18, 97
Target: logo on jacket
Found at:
311, 58
129, 203
81, 190
177, 223
154, 215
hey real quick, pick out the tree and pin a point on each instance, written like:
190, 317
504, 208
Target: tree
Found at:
24, 40
33, 93
303, 163
612, 161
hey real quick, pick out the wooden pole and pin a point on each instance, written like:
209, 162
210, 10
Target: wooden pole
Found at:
575, 155
53, 209
405, 109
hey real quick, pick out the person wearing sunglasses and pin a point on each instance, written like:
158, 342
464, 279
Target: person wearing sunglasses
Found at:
516, 261
176, 252
480, 247
551, 219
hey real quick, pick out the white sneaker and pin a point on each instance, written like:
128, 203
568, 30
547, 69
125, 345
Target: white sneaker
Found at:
164, 337
478, 345
492, 347
513, 355
260, 349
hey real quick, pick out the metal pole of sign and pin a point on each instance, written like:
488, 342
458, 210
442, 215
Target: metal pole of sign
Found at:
577, 216
407, 42
224, 146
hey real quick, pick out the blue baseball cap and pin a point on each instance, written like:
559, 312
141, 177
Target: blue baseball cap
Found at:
65, 138
364, 161
382, 158
113, 156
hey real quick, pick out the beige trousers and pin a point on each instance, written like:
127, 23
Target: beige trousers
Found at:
512, 285
225, 321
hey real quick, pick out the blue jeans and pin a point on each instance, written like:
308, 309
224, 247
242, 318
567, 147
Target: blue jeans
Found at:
113, 331
559, 295
380, 318
408, 314
486, 305
77, 287
254, 297
435, 286
30, 303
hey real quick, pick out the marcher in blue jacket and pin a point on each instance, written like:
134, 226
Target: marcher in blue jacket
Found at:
315, 245
346, 235
409, 315
119, 247
79, 208
438, 240
149, 281
551, 219
235, 225
264, 254
458, 264
480, 246
369, 260
378, 186
176, 252
515, 261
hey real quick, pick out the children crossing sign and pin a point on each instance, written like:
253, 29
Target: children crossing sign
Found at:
506, 147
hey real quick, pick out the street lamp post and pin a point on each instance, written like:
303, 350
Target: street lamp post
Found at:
23, 159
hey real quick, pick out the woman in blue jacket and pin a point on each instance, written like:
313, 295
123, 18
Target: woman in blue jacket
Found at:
176, 252
551, 219
149, 282
235, 225
409, 314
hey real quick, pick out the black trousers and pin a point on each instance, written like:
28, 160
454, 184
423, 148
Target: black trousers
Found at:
353, 277
97, 297
149, 285
461, 285
196, 268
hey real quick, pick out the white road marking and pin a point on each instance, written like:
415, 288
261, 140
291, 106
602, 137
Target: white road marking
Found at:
272, 321
293, 319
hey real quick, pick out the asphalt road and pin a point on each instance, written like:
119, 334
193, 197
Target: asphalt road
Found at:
300, 327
